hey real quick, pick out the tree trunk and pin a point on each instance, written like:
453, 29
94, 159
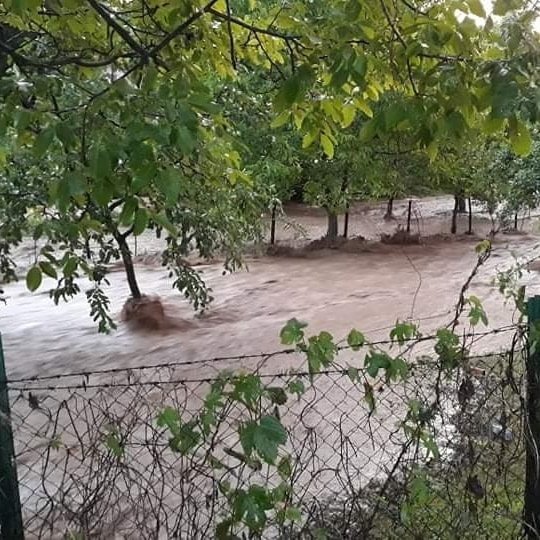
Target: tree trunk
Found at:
128, 266
346, 223
453, 229
470, 216
462, 204
87, 252
273, 226
409, 211
332, 230
389, 209
516, 221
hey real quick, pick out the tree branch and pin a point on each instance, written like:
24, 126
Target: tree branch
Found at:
120, 30
231, 37
19, 59
180, 29
254, 29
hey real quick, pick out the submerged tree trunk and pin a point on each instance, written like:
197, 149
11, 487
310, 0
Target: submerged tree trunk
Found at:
453, 229
389, 209
127, 259
470, 216
461, 204
409, 212
332, 230
273, 226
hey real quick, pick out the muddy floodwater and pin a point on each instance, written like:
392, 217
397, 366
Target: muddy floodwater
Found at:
339, 445
335, 290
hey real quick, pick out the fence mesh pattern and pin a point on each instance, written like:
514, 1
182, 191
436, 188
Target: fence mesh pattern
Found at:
438, 456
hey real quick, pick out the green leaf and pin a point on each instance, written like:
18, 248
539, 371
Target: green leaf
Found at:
102, 191
162, 220
100, 162
368, 130
114, 444
355, 339
403, 331
22, 120
48, 269
287, 94
169, 418
520, 137
309, 138
368, 32
327, 145
284, 467
394, 115
65, 134
376, 361
251, 507
294, 88
277, 395
353, 374
502, 7
296, 387
476, 8
141, 221
319, 534
185, 140
281, 119
143, 175
359, 70
70, 266
504, 97
477, 312
268, 436
247, 437
352, 9
169, 183
340, 77
292, 332
185, 438
349, 114
128, 211
33, 278
293, 514
76, 183
43, 141
203, 102
320, 352
493, 125
223, 530
364, 107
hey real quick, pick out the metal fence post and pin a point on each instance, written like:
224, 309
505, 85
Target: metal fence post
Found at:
273, 225
532, 434
11, 525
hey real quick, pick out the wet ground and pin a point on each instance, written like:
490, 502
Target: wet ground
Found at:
368, 289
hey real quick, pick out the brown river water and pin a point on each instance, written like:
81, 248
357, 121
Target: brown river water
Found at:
369, 289
365, 285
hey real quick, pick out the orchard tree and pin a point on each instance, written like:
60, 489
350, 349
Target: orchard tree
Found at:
269, 149
333, 182
520, 177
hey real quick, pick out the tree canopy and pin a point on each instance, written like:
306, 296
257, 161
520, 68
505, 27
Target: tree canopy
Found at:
122, 116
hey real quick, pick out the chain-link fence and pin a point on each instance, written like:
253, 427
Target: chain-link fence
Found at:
133, 454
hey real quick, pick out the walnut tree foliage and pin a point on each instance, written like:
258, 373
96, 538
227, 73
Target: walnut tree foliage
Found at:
112, 125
